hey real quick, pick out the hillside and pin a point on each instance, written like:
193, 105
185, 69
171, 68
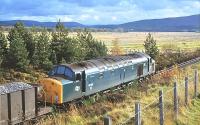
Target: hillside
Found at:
30, 23
175, 24
188, 23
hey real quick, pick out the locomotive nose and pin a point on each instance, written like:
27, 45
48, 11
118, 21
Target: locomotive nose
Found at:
51, 90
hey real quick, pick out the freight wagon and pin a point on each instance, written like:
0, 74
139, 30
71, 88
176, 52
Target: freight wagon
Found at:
18, 103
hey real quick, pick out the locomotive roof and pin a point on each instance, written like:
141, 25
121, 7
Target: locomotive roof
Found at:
106, 62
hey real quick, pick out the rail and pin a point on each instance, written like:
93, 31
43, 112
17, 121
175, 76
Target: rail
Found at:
181, 65
138, 110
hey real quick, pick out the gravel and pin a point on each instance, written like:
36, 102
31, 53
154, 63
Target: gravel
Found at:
14, 86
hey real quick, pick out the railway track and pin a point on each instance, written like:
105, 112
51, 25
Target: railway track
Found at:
181, 65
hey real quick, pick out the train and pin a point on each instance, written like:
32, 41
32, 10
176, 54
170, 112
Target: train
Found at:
68, 82
20, 101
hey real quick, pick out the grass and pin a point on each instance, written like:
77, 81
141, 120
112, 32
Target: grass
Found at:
191, 115
135, 40
120, 105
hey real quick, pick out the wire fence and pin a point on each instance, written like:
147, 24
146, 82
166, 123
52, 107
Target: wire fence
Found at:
169, 106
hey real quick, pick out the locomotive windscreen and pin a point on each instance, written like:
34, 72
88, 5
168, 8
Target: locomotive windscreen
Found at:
62, 71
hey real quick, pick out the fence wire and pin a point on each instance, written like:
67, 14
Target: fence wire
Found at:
150, 112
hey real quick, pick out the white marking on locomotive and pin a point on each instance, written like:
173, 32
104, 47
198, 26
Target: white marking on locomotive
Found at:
77, 88
90, 85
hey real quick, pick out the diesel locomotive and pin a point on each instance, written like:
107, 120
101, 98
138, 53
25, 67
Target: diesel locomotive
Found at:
67, 82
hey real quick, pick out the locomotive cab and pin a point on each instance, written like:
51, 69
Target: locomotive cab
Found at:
61, 85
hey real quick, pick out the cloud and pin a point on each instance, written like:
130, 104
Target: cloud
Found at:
114, 18
96, 17
96, 11
93, 3
84, 17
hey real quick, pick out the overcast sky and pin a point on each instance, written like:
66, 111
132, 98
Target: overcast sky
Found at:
96, 11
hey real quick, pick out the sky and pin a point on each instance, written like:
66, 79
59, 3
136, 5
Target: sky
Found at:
93, 12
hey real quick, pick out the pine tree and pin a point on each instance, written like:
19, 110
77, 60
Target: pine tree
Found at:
58, 38
26, 36
97, 49
42, 52
83, 38
17, 54
71, 50
3, 47
151, 47
60, 27
90, 47
101, 49
53, 57
30, 43
1, 57
3, 43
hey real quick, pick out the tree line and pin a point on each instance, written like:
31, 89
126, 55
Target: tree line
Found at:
23, 48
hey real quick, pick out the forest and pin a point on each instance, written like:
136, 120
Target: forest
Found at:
24, 48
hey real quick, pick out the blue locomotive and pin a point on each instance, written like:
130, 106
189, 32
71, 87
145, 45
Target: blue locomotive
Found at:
67, 82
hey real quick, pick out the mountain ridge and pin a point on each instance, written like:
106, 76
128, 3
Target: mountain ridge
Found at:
185, 23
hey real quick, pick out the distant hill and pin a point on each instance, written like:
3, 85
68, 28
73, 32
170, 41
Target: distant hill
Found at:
175, 24
187, 23
30, 23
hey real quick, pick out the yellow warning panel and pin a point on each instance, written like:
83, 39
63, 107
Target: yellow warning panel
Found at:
52, 91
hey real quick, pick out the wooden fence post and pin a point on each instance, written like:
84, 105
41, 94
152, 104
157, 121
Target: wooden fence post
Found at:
161, 107
137, 114
175, 100
66, 121
107, 120
195, 83
186, 90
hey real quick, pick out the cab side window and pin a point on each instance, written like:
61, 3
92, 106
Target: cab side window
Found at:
78, 76
68, 73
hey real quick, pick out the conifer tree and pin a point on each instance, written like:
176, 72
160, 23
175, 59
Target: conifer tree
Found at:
42, 51
53, 57
151, 47
26, 36
58, 37
3, 47
17, 53
89, 46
